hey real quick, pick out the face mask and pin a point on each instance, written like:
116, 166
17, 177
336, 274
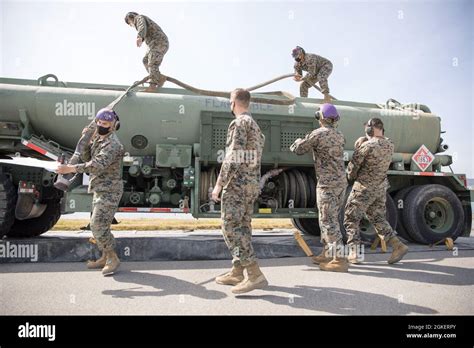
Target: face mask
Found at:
298, 59
102, 130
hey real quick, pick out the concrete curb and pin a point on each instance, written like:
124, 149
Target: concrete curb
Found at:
165, 246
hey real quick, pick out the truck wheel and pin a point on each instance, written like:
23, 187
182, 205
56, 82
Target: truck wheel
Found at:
312, 191
433, 212
399, 200
367, 230
309, 226
36, 226
8, 198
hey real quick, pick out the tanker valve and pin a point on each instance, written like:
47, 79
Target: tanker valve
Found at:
134, 171
135, 198
146, 171
171, 183
154, 198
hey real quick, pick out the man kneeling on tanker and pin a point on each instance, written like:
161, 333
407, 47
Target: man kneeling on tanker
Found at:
103, 161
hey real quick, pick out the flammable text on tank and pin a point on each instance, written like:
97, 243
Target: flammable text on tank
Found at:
225, 105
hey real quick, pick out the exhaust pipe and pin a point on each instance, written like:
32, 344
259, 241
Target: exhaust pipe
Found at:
443, 147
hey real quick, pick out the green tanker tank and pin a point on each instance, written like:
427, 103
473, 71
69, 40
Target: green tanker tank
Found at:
175, 139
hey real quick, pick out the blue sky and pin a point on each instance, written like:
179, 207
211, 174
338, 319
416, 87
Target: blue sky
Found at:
417, 51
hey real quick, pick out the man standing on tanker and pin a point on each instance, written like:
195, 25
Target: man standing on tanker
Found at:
157, 42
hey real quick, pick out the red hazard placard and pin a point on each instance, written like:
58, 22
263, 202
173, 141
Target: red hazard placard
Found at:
423, 157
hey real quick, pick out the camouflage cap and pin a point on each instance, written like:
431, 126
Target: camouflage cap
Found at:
296, 51
374, 122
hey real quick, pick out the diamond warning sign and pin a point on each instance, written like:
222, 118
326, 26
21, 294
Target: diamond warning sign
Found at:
423, 157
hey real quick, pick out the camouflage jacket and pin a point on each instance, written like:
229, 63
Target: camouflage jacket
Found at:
327, 144
243, 153
149, 31
370, 163
103, 161
311, 63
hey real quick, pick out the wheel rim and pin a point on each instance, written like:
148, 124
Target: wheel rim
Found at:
439, 215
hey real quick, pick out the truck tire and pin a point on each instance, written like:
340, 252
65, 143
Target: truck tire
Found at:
433, 212
401, 195
309, 226
8, 198
367, 230
36, 226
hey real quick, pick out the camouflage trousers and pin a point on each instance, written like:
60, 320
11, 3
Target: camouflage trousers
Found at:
153, 58
236, 213
104, 207
366, 202
321, 77
330, 201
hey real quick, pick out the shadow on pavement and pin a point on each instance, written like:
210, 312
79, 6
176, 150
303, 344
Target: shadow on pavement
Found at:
421, 271
164, 286
339, 301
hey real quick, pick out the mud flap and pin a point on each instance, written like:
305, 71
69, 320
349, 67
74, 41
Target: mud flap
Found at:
27, 205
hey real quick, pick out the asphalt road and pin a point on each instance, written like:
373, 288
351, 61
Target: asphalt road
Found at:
426, 282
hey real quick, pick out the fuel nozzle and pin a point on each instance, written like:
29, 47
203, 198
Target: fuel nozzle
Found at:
62, 158
63, 181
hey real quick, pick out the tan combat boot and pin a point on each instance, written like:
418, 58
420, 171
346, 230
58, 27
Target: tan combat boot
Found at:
339, 264
323, 257
234, 277
399, 250
353, 255
111, 264
255, 280
97, 264
152, 88
161, 81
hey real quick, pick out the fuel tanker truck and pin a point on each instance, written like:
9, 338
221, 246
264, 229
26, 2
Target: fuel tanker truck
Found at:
175, 140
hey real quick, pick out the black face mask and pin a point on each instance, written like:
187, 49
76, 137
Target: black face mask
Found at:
102, 130
298, 59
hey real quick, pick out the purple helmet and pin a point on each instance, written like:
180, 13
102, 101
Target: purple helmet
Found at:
106, 115
327, 111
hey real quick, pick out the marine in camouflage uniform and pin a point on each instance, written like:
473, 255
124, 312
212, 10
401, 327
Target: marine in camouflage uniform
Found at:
327, 145
239, 178
103, 161
318, 70
157, 42
368, 169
